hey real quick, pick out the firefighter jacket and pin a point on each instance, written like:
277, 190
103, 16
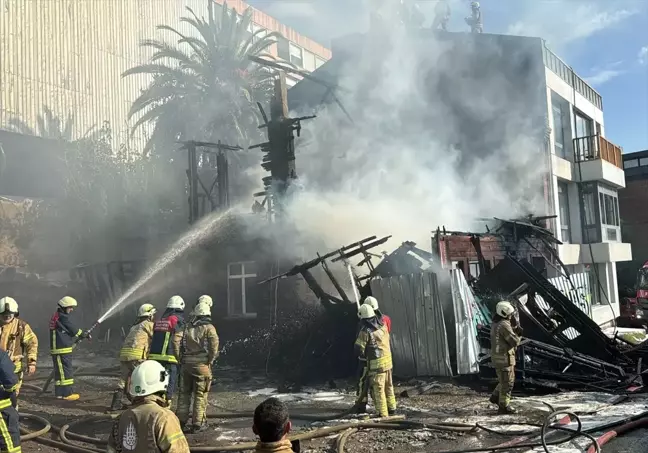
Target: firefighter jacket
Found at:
282, 446
8, 380
147, 427
200, 342
138, 341
63, 333
372, 345
504, 342
167, 335
20, 342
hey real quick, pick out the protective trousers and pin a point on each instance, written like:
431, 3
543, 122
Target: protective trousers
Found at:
362, 394
172, 369
505, 382
382, 392
63, 377
195, 383
10, 429
125, 370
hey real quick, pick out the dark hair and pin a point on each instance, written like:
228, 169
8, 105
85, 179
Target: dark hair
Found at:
270, 419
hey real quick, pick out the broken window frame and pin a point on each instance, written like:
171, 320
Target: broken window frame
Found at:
233, 279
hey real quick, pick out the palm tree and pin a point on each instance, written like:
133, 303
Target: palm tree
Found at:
204, 87
49, 126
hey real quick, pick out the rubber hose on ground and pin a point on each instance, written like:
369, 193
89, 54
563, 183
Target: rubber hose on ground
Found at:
63, 432
621, 430
33, 434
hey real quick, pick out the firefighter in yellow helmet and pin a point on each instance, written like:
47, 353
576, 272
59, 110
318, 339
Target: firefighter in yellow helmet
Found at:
148, 426
18, 339
504, 342
63, 336
199, 351
134, 351
372, 345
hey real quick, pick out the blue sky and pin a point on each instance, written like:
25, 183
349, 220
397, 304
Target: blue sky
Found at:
605, 41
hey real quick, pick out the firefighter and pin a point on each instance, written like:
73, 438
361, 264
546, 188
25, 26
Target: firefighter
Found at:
372, 345
362, 396
149, 426
63, 336
475, 19
199, 351
504, 341
134, 351
167, 335
272, 425
9, 421
18, 339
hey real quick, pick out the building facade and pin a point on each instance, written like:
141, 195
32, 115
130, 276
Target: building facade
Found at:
586, 175
528, 88
69, 55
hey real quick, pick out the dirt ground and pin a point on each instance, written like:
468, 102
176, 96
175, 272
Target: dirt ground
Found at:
241, 390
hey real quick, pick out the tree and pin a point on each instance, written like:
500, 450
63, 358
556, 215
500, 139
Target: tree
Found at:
49, 126
204, 87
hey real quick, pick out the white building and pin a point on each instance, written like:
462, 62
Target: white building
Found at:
586, 173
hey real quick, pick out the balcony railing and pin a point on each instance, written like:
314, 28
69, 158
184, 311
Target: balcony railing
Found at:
595, 147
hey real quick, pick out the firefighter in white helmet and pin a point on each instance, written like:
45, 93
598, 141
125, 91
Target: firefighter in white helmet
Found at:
199, 351
204, 299
372, 346
148, 426
18, 339
504, 342
64, 334
134, 351
167, 336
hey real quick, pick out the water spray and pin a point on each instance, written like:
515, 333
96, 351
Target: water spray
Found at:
353, 283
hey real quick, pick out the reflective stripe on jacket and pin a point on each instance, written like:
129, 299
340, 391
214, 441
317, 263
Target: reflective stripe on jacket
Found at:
167, 334
20, 342
148, 426
63, 333
138, 341
373, 345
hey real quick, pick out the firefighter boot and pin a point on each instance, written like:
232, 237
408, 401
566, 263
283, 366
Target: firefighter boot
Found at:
116, 401
494, 399
508, 410
361, 408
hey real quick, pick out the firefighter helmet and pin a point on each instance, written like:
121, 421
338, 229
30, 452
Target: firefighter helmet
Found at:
205, 299
366, 312
202, 309
176, 302
504, 309
147, 310
67, 302
148, 377
372, 302
8, 305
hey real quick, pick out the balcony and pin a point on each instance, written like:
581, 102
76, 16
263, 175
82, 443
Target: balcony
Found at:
598, 159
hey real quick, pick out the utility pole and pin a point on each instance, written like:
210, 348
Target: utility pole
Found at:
279, 150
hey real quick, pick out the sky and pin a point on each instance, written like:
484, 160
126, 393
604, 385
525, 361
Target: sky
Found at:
604, 41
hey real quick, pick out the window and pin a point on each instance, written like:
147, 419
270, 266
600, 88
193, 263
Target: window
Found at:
309, 60
241, 280
631, 163
609, 208
560, 109
474, 268
563, 208
586, 148
283, 49
643, 162
591, 227
319, 62
296, 57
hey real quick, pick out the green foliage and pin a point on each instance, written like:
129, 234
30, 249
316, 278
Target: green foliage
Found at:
48, 125
204, 87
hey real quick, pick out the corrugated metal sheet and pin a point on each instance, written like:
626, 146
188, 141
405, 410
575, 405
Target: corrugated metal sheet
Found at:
466, 317
580, 293
419, 341
70, 54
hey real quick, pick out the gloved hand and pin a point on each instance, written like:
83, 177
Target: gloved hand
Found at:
87, 335
31, 369
518, 330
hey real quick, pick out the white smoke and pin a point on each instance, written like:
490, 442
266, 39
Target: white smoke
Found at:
409, 163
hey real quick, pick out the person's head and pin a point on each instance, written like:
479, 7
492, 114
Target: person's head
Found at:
205, 299
176, 303
67, 304
146, 311
202, 309
148, 378
8, 310
504, 309
271, 421
366, 312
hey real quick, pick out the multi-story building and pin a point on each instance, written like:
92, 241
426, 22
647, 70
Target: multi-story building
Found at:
69, 55
526, 87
